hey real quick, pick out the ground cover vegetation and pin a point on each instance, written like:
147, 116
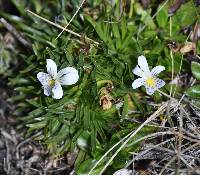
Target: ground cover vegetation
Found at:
85, 84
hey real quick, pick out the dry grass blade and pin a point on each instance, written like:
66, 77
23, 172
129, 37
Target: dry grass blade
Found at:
178, 152
153, 116
71, 19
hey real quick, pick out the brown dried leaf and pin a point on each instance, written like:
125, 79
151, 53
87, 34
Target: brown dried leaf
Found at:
188, 47
175, 47
195, 35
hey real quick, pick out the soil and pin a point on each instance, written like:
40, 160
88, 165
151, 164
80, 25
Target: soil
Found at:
20, 155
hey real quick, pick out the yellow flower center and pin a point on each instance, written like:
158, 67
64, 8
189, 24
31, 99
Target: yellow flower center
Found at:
151, 82
51, 83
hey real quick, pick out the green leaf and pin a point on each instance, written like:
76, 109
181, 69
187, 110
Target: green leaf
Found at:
125, 106
37, 125
59, 136
83, 141
123, 28
196, 70
162, 17
187, 14
33, 103
145, 16
69, 57
79, 159
86, 166
98, 28
193, 91
115, 29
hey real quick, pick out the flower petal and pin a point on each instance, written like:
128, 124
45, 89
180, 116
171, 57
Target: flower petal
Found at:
137, 83
156, 70
68, 76
47, 90
150, 90
43, 78
57, 91
137, 71
123, 172
51, 68
142, 62
159, 83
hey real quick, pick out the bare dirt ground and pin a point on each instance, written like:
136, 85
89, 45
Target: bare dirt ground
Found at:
20, 155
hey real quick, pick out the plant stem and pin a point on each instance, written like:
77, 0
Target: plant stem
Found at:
171, 54
163, 93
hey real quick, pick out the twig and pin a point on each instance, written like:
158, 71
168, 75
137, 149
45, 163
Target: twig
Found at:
24, 142
35, 170
166, 165
9, 137
179, 143
186, 163
58, 169
163, 93
188, 117
7, 159
173, 159
146, 151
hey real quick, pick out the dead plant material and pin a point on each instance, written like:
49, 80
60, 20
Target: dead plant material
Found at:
174, 149
188, 47
19, 156
106, 100
175, 7
15, 33
145, 3
197, 3
195, 34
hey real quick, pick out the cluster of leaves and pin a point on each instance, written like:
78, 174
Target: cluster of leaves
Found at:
77, 121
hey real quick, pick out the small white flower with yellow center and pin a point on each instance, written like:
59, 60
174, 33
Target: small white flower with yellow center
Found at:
148, 78
52, 80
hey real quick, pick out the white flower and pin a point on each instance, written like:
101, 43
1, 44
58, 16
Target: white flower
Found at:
123, 172
148, 78
52, 80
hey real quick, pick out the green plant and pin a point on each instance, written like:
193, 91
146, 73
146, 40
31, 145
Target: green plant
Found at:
78, 121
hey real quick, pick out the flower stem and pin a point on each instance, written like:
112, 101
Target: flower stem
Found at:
163, 93
171, 55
